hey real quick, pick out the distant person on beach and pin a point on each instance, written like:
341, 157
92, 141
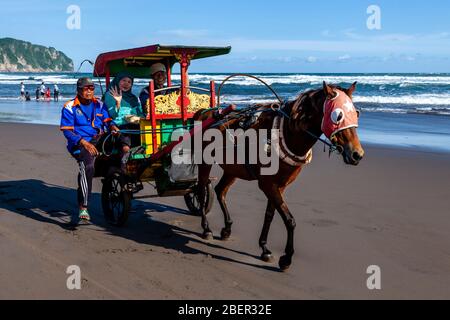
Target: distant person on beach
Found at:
158, 73
86, 124
37, 93
27, 96
48, 94
22, 90
56, 93
42, 90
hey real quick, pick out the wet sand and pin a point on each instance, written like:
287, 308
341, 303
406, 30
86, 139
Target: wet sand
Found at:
392, 211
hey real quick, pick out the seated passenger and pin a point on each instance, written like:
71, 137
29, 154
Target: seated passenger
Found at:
123, 106
158, 73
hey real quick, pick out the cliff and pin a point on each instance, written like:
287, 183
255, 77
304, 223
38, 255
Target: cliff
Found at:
22, 56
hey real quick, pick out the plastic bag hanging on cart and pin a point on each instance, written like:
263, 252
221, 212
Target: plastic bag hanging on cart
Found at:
183, 173
182, 167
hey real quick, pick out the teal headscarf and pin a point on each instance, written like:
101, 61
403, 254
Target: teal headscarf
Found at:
128, 96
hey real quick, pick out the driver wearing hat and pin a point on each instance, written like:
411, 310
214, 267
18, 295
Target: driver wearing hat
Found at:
85, 122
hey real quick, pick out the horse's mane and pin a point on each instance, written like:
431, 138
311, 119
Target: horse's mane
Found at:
304, 100
302, 97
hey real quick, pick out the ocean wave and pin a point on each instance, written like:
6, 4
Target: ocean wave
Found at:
402, 81
421, 104
406, 100
421, 99
61, 98
285, 79
385, 110
430, 111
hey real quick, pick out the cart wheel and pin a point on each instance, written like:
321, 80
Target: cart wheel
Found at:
193, 203
116, 200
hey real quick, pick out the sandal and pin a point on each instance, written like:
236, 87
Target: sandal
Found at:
84, 215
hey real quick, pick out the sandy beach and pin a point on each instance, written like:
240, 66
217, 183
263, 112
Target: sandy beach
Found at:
392, 211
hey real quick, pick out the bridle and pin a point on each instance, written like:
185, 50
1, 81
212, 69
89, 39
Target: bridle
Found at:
332, 144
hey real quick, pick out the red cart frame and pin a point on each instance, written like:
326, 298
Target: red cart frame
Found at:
118, 188
138, 62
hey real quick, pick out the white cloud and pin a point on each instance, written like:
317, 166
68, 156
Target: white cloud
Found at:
345, 57
351, 34
396, 37
285, 59
311, 59
438, 36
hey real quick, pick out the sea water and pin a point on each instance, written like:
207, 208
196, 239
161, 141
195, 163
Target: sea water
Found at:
408, 110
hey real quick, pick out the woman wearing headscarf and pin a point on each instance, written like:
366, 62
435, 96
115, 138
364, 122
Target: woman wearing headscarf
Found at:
123, 105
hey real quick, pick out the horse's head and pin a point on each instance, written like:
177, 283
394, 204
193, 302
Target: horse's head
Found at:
340, 121
330, 111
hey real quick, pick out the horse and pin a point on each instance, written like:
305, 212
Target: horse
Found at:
301, 122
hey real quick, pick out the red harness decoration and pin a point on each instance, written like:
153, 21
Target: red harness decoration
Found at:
339, 114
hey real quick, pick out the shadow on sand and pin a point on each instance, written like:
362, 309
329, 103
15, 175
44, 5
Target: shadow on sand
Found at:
53, 204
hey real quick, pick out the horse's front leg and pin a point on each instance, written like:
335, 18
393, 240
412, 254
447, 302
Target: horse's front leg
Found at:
289, 221
266, 255
275, 196
203, 180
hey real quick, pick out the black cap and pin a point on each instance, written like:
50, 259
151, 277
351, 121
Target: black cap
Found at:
84, 82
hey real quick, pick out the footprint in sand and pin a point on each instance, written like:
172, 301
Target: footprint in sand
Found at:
370, 229
37, 154
321, 223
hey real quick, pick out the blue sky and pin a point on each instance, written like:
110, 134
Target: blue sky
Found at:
266, 36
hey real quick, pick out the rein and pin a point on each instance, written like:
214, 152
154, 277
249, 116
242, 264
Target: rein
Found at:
333, 147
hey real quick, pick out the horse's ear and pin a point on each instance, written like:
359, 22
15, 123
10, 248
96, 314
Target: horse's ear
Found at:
352, 89
328, 90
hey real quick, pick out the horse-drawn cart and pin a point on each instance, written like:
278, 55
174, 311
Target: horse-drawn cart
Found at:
150, 161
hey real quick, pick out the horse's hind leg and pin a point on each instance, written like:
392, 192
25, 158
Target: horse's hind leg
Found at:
266, 255
221, 190
203, 180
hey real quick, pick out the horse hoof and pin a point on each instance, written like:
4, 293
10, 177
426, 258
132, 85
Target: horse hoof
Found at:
208, 236
225, 234
284, 263
266, 257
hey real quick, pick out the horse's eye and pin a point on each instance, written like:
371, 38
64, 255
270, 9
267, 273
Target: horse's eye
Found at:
337, 116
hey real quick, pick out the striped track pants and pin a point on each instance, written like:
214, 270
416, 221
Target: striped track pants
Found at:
85, 176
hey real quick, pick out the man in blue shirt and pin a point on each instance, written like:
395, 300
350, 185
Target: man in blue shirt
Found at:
85, 122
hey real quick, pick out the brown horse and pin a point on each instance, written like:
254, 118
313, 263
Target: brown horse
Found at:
304, 119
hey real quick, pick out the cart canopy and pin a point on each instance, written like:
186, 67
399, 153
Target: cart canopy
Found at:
138, 61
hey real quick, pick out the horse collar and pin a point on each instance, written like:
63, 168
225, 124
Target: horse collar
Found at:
283, 151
